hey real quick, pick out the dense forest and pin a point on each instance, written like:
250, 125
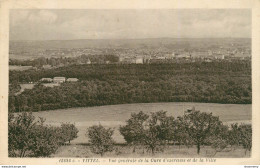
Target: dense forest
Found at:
100, 84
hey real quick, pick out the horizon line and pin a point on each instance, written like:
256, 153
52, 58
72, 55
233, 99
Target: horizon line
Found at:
141, 38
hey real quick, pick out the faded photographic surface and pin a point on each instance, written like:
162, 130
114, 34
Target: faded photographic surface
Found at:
130, 83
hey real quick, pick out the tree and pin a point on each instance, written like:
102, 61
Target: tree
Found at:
200, 126
219, 141
157, 131
45, 140
164, 125
120, 84
19, 134
28, 137
11, 104
134, 130
180, 133
69, 131
234, 136
245, 131
100, 139
151, 132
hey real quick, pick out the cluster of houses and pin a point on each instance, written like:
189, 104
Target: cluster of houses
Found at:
58, 80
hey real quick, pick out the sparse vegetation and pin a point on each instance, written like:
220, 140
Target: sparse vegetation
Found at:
154, 132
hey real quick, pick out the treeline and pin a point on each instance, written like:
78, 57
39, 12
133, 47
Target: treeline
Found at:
156, 130
152, 132
107, 84
56, 61
14, 88
120, 84
28, 137
143, 72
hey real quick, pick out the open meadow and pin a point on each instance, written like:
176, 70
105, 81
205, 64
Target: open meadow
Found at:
115, 115
122, 151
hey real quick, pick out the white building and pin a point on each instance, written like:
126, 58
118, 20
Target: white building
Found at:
46, 80
72, 80
88, 62
59, 79
139, 61
46, 66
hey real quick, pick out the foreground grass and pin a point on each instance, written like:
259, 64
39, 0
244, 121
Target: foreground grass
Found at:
170, 151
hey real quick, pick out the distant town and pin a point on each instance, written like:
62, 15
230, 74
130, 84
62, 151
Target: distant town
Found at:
62, 54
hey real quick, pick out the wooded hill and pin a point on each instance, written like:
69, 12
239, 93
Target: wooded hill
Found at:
212, 82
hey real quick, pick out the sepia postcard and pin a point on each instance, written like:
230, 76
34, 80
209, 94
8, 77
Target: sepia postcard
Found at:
129, 82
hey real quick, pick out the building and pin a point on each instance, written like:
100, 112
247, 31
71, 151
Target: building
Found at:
88, 61
46, 66
139, 61
72, 80
46, 80
219, 56
59, 79
128, 60
121, 59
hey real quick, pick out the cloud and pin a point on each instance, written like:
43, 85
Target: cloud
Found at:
43, 16
17, 17
98, 24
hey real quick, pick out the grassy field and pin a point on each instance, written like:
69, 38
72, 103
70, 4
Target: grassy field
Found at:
169, 152
25, 86
115, 115
19, 68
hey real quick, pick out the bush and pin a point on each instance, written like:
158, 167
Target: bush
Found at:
100, 139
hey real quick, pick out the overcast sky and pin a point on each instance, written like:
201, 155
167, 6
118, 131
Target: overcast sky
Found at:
118, 24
